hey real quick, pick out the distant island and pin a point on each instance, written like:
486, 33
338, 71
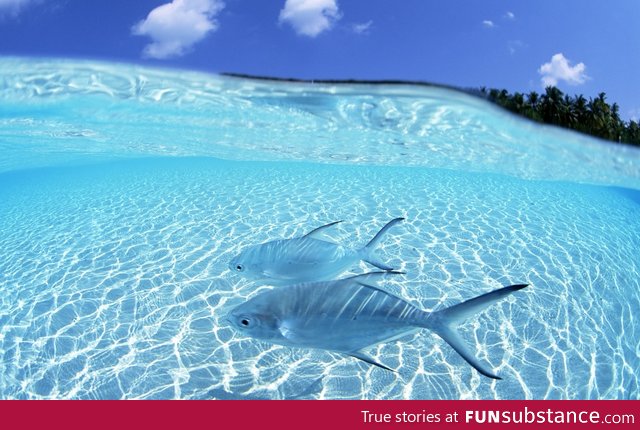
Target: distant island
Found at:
593, 116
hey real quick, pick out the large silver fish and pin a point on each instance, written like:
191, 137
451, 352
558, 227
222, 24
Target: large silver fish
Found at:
350, 315
304, 259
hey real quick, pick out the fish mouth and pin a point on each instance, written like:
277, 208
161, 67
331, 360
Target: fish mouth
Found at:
228, 319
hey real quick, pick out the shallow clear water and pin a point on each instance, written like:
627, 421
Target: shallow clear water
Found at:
125, 192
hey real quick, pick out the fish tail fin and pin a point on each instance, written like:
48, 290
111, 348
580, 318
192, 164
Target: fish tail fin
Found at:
445, 322
369, 249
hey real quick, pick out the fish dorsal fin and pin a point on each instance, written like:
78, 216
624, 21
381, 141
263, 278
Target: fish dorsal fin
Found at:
378, 289
367, 358
317, 232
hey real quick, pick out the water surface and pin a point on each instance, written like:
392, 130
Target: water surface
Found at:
125, 191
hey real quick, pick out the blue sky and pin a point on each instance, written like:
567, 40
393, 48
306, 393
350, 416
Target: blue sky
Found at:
582, 46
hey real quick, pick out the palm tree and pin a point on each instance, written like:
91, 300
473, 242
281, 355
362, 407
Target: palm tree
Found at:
632, 133
599, 112
570, 116
551, 106
615, 124
533, 100
580, 109
595, 116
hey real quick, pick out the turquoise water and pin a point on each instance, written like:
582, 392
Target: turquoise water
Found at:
125, 191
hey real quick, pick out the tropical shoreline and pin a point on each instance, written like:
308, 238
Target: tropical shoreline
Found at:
595, 116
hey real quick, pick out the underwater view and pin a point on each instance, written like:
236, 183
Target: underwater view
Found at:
132, 200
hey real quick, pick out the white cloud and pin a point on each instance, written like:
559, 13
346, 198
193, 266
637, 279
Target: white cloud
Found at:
175, 27
13, 7
509, 15
12, 3
558, 69
310, 17
362, 28
488, 24
514, 46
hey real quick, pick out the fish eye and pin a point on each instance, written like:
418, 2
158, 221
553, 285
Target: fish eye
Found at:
244, 322
239, 267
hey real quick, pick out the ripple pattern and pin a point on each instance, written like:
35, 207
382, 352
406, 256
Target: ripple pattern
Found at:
56, 112
114, 281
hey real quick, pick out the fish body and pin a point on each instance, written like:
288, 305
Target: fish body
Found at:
295, 260
350, 315
304, 259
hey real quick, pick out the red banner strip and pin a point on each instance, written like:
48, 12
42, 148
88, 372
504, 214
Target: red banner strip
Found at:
299, 414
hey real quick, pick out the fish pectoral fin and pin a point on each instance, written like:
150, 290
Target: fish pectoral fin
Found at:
287, 332
317, 232
367, 358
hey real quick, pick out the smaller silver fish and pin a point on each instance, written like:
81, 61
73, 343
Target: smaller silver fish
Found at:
349, 315
304, 259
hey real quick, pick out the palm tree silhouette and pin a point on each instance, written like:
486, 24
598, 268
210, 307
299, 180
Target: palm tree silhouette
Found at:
594, 116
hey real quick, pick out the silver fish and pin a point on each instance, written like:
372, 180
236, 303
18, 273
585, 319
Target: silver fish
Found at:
304, 259
350, 315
